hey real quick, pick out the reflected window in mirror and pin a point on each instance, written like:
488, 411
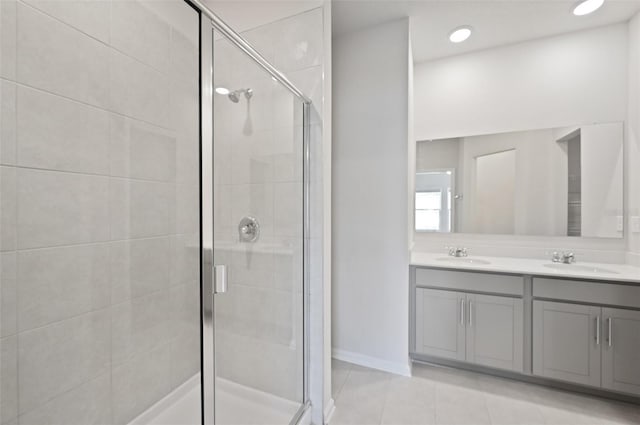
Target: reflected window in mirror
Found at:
433, 201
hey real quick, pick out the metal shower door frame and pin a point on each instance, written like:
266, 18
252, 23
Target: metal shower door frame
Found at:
209, 22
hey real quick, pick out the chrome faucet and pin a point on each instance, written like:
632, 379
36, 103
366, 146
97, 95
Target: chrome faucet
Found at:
457, 252
565, 257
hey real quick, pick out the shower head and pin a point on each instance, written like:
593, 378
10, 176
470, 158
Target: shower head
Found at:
234, 96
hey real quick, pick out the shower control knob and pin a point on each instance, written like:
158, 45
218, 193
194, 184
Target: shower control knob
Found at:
249, 229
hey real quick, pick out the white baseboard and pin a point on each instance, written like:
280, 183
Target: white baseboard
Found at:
328, 412
372, 362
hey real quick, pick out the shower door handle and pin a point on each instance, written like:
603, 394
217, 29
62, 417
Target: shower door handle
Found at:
219, 279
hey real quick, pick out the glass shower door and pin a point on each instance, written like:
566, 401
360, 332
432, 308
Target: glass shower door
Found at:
258, 237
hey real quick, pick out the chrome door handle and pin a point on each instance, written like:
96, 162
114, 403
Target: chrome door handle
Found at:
462, 312
470, 313
610, 335
219, 279
597, 330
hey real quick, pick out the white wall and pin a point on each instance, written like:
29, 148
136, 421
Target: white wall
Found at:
546, 83
370, 196
633, 137
601, 154
535, 191
494, 192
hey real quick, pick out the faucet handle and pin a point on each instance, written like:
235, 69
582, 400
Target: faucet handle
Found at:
568, 257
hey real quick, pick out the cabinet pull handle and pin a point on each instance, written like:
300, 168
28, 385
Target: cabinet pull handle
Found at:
597, 330
609, 335
470, 313
462, 312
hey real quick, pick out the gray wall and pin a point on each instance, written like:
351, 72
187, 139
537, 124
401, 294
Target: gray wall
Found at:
99, 205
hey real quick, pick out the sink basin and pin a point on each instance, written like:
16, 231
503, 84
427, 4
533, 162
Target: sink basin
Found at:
464, 260
579, 268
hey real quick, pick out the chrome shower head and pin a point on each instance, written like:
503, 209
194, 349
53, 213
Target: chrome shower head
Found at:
234, 96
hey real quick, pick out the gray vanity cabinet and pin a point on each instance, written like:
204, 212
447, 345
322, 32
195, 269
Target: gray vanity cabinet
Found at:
495, 331
481, 329
440, 327
621, 350
582, 332
566, 342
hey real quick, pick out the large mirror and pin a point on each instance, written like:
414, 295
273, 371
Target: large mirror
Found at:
554, 182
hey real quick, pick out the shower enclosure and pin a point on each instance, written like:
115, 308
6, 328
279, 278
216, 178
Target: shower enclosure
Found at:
153, 229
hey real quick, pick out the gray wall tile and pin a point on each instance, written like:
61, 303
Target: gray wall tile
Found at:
137, 90
77, 65
7, 121
8, 209
186, 209
139, 267
87, 404
137, 384
185, 358
61, 208
9, 379
141, 150
184, 58
59, 357
86, 16
185, 258
60, 134
8, 294
104, 136
139, 209
8, 19
58, 283
140, 325
137, 31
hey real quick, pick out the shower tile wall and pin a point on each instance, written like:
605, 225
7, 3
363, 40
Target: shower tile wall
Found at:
258, 171
99, 208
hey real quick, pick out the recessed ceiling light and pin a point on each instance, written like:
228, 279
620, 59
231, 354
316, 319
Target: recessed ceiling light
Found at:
587, 6
222, 90
460, 34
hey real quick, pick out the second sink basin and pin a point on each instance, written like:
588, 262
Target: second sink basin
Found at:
464, 260
579, 268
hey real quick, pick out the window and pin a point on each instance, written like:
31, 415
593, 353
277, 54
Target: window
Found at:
428, 210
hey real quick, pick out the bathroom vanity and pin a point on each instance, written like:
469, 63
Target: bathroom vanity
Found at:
574, 325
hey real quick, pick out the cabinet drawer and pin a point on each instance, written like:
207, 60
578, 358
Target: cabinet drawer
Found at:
587, 292
468, 281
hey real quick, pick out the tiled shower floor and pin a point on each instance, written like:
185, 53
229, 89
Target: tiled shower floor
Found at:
447, 396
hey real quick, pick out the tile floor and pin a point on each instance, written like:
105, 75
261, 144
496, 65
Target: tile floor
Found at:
445, 396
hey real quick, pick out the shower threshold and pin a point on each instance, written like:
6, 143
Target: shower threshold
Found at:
236, 405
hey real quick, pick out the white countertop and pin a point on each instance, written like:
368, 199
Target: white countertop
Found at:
525, 266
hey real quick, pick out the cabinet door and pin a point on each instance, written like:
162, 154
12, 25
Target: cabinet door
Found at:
566, 342
621, 350
440, 327
495, 331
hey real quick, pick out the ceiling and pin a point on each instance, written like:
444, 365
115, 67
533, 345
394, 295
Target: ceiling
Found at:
494, 23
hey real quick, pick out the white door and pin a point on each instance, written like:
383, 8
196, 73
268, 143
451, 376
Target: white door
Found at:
566, 342
621, 350
440, 323
495, 331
